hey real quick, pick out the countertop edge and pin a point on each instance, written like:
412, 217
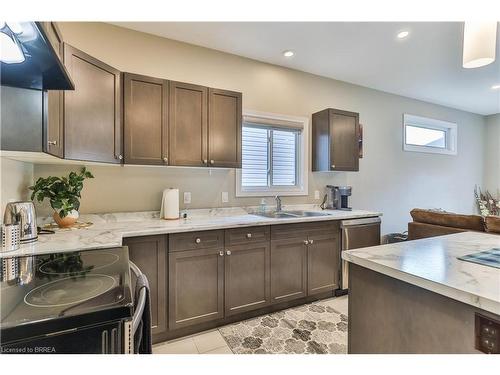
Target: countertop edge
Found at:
432, 286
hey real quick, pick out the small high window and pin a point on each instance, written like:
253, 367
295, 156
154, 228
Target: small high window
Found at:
422, 134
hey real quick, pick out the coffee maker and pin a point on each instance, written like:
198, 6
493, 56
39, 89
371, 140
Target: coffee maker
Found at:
337, 197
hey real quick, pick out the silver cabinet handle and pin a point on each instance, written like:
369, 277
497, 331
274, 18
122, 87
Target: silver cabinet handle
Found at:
306, 242
205, 161
52, 143
333, 165
212, 162
249, 235
228, 252
221, 253
198, 240
311, 242
120, 157
165, 160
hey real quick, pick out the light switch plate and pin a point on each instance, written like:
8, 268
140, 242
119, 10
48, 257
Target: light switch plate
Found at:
225, 197
187, 197
316, 194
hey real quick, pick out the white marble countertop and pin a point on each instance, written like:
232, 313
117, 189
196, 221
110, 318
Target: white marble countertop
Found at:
432, 264
109, 229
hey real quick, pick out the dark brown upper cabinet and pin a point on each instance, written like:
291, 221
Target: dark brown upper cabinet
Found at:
188, 124
53, 121
145, 120
224, 128
335, 140
92, 112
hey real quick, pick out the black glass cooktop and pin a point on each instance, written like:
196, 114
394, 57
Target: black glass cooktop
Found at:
46, 292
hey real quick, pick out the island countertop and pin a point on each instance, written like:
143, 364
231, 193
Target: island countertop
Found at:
433, 264
108, 230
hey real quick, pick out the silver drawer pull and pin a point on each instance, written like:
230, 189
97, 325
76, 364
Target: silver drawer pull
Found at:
52, 143
311, 242
228, 252
212, 162
306, 242
198, 240
249, 235
221, 253
333, 166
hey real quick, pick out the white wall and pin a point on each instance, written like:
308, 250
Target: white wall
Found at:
390, 180
492, 154
15, 177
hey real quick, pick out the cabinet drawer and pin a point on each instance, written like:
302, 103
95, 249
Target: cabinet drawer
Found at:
241, 236
196, 240
304, 230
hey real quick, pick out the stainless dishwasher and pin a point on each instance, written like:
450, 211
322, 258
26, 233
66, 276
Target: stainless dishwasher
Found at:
356, 233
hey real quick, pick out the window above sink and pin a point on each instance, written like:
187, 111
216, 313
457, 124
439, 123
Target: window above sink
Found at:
274, 155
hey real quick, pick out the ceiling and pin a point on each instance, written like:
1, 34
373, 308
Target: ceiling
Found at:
427, 65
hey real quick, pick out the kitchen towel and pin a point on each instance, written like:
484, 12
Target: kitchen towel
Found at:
170, 204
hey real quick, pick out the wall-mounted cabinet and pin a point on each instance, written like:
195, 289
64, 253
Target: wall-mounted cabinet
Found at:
145, 120
188, 122
163, 123
92, 112
335, 140
180, 124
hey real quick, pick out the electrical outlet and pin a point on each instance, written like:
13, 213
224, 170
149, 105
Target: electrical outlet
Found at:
316, 194
187, 197
225, 197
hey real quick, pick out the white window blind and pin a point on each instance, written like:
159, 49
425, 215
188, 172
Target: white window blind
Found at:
269, 156
255, 162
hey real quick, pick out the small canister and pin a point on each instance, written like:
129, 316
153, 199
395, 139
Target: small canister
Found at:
11, 237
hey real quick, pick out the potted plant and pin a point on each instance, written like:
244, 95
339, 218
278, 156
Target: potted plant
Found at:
63, 194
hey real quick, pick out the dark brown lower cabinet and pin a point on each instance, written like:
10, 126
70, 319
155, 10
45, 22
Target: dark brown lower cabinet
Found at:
149, 253
196, 287
322, 263
247, 280
288, 269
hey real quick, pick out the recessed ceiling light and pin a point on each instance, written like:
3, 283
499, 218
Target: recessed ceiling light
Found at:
495, 87
403, 34
288, 53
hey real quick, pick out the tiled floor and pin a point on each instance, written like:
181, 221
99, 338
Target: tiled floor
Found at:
212, 342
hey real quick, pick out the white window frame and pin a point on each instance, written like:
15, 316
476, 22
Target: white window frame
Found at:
450, 129
302, 186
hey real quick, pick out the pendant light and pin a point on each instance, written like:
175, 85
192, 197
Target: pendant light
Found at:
480, 39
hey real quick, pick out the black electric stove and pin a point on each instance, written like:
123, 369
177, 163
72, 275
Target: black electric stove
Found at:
62, 302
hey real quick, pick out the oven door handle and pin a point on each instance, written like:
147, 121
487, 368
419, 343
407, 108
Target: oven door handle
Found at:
136, 318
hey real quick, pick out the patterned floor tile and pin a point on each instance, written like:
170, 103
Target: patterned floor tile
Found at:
315, 328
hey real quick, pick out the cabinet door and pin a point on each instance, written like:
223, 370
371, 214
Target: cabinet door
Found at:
145, 120
344, 137
188, 124
323, 257
53, 123
247, 277
224, 128
149, 253
196, 287
92, 126
288, 270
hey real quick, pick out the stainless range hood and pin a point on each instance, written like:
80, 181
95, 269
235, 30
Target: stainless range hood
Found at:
38, 66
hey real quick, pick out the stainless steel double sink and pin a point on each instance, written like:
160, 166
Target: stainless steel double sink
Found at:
290, 214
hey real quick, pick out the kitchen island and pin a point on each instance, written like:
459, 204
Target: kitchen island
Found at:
418, 297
